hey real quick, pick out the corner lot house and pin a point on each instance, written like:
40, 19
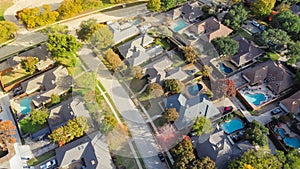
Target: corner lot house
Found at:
90, 152
291, 104
123, 31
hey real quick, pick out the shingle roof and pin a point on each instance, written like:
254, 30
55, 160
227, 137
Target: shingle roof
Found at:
123, 32
295, 9
191, 11
292, 103
246, 52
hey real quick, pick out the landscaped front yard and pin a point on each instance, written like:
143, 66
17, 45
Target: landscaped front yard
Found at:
28, 128
40, 159
14, 76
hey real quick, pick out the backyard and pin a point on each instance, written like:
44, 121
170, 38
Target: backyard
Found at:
124, 158
34, 161
28, 128
14, 76
4, 4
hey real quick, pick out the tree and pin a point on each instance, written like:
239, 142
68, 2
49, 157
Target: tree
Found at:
55, 98
137, 72
230, 88
190, 55
39, 116
167, 4
69, 8
173, 85
153, 5
7, 130
62, 45
8, 30
236, 16
225, 46
294, 52
205, 163
274, 38
113, 59
183, 153
255, 159
171, 114
202, 125
102, 38
29, 64
155, 90
108, 123
287, 21
56, 29
262, 7
206, 70
297, 78
292, 160
87, 28
257, 134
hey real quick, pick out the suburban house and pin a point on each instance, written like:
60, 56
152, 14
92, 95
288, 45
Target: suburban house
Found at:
90, 151
295, 9
274, 75
55, 81
67, 110
123, 31
190, 12
210, 29
291, 104
190, 108
247, 52
138, 50
176, 73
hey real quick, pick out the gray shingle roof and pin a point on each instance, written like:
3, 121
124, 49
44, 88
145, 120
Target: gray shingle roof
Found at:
191, 11
292, 103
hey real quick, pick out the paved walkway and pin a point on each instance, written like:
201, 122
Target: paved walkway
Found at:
139, 130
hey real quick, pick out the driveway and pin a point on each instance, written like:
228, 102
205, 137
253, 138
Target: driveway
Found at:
141, 134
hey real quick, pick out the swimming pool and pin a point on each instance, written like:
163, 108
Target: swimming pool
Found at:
25, 105
280, 131
194, 90
292, 142
224, 68
256, 98
179, 25
232, 126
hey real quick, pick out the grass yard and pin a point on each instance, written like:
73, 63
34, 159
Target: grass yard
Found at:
137, 85
4, 4
14, 76
77, 69
243, 33
42, 158
27, 127
163, 43
124, 157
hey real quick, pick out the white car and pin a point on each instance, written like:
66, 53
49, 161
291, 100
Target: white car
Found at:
48, 164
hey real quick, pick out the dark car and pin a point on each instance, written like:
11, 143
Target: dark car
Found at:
276, 111
227, 109
161, 157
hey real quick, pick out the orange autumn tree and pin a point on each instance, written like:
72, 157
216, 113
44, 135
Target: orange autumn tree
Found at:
7, 129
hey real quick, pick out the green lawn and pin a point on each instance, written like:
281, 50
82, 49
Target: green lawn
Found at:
4, 4
163, 43
27, 127
137, 85
124, 157
14, 76
40, 159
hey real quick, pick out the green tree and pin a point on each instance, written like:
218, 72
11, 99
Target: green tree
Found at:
236, 16
87, 28
256, 133
153, 5
294, 52
171, 114
206, 70
39, 116
8, 30
108, 123
167, 4
256, 159
202, 125
190, 55
205, 163
173, 86
102, 38
70, 8
56, 29
183, 154
262, 7
113, 59
292, 160
29, 64
274, 38
137, 72
155, 90
7, 130
297, 78
55, 98
225, 46
287, 21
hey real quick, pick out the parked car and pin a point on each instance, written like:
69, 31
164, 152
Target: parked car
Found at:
49, 164
276, 111
227, 109
161, 157
255, 23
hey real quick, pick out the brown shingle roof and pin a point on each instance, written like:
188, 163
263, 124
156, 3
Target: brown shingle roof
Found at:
292, 104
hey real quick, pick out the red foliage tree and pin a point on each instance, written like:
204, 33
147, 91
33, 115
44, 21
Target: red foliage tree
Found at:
230, 88
7, 129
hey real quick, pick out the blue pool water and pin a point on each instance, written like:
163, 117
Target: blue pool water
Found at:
256, 98
180, 25
292, 142
25, 105
224, 68
194, 90
280, 131
232, 126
